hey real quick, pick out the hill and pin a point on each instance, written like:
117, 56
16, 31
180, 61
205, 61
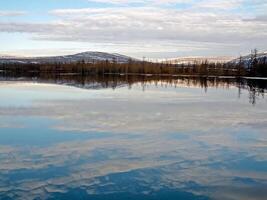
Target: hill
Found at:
198, 59
247, 60
87, 57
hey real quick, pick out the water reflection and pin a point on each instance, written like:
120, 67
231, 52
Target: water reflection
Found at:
256, 87
173, 141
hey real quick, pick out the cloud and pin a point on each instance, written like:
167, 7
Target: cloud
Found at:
5, 13
204, 4
141, 24
204, 23
214, 4
219, 4
260, 18
142, 2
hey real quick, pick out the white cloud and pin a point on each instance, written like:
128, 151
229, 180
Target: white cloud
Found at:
219, 4
142, 1
209, 24
4, 13
142, 24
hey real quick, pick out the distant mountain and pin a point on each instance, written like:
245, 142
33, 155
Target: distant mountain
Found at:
88, 57
198, 59
216, 59
246, 60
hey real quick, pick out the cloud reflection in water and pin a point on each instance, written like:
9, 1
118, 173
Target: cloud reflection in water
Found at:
132, 144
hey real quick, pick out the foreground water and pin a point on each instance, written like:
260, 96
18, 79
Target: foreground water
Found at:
154, 140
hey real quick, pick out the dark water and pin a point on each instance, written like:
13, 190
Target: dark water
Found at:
151, 138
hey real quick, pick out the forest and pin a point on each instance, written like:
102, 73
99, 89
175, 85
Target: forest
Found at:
254, 68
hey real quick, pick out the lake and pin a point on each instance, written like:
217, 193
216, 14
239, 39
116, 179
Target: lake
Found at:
135, 138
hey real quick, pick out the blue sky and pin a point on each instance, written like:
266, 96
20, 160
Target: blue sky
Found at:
155, 29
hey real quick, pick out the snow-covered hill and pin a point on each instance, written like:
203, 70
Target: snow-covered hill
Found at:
198, 59
246, 60
88, 57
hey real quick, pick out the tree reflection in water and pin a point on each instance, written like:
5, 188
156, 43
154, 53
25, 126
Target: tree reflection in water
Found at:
255, 87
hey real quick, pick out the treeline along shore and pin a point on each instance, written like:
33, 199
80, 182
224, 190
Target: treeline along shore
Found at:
254, 68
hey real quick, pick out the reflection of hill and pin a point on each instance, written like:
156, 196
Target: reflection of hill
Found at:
256, 87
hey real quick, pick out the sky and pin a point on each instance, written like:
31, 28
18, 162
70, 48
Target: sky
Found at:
155, 29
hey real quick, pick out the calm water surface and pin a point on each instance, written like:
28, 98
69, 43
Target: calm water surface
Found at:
154, 141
